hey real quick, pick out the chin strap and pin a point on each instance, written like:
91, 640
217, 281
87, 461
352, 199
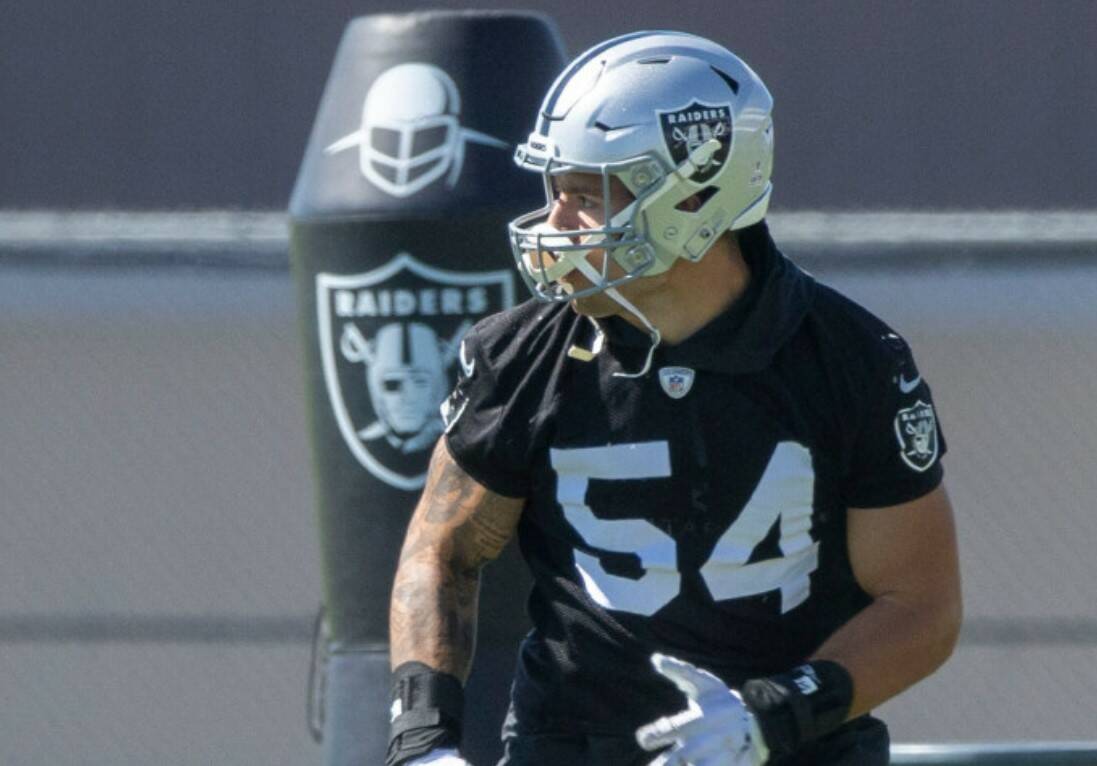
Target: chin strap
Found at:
656, 338
588, 354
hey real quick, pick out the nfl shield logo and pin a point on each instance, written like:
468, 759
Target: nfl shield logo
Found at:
690, 126
676, 381
916, 429
389, 340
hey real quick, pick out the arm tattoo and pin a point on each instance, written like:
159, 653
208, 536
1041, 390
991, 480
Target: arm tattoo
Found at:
458, 526
448, 489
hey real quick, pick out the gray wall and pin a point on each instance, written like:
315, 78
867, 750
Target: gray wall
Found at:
936, 104
159, 559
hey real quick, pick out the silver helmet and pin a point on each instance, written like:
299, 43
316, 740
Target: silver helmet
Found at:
672, 116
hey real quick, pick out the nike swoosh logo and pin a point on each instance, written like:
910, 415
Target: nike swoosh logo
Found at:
906, 386
467, 366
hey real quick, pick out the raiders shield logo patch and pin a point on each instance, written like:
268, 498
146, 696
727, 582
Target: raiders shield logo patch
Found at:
687, 128
676, 381
916, 429
389, 342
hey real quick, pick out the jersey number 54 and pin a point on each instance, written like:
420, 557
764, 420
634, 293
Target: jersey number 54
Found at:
784, 493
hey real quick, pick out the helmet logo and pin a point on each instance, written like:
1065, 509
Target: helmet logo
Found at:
410, 135
687, 128
389, 344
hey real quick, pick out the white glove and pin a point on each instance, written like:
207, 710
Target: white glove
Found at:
715, 730
445, 757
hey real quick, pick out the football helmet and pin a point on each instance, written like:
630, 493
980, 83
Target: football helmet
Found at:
673, 116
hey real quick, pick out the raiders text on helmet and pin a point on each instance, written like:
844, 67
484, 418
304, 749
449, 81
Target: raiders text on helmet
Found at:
671, 115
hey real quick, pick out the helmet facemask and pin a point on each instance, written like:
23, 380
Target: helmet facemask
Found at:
544, 254
410, 155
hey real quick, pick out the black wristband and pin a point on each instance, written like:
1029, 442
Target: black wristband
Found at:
799, 706
427, 710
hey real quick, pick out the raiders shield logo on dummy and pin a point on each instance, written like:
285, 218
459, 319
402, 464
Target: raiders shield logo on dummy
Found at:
397, 330
916, 428
687, 128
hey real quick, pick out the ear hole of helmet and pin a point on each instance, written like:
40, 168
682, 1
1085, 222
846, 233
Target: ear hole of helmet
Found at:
696, 201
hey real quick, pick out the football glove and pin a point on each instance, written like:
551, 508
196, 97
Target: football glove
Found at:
446, 757
716, 729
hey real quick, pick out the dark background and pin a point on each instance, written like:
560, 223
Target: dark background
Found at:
929, 105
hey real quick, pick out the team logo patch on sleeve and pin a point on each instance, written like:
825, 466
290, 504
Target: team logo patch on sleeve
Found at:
687, 128
916, 429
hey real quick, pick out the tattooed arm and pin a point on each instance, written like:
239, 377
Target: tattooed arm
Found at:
458, 526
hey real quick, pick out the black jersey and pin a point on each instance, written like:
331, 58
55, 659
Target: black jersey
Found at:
699, 510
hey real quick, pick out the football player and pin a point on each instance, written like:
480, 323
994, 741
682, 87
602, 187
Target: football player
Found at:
725, 476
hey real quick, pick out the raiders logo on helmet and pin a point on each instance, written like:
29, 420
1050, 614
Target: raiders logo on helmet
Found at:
687, 128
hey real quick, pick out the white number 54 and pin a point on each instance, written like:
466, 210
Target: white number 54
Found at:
783, 493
